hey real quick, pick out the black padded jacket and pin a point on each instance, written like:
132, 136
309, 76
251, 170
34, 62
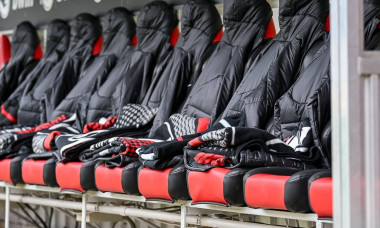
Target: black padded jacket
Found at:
201, 24
25, 41
85, 31
119, 28
302, 23
245, 24
155, 24
57, 42
307, 102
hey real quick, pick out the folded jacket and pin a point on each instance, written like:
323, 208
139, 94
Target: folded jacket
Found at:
170, 153
249, 147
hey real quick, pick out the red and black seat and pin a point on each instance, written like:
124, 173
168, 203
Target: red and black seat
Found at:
5, 50
167, 185
152, 41
201, 26
321, 194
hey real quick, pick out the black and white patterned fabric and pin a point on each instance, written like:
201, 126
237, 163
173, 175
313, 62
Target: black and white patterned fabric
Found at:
6, 140
250, 147
183, 125
38, 143
135, 115
103, 143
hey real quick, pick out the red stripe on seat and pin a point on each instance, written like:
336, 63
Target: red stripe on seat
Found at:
271, 30
134, 40
321, 197
174, 36
5, 48
7, 115
68, 176
33, 171
266, 191
207, 186
154, 184
218, 36
38, 54
5, 174
109, 180
98, 46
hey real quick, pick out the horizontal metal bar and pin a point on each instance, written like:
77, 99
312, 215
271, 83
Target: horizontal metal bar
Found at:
369, 62
118, 196
135, 212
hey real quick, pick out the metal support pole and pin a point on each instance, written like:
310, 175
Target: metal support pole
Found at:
7, 206
183, 216
348, 147
84, 210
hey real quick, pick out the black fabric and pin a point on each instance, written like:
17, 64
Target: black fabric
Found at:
51, 89
129, 178
326, 140
275, 69
57, 42
118, 30
177, 184
200, 24
155, 24
16, 169
308, 99
297, 193
246, 147
233, 187
49, 172
245, 27
168, 154
371, 22
24, 43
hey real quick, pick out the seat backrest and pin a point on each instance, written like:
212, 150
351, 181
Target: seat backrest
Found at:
246, 25
156, 33
119, 28
57, 42
201, 27
84, 35
276, 67
25, 53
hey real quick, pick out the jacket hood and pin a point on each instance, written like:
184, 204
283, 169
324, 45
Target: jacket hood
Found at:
156, 19
24, 41
240, 16
371, 18
85, 31
315, 8
57, 40
201, 15
119, 28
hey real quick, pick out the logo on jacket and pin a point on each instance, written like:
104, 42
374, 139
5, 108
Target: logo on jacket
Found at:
5, 6
47, 4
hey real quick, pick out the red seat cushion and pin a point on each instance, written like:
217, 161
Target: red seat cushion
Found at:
68, 176
154, 184
207, 186
5, 50
109, 180
321, 196
5, 174
266, 191
33, 171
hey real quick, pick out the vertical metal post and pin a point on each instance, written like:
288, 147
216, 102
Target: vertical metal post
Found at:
7, 206
84, 211
183, 216
347, 119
